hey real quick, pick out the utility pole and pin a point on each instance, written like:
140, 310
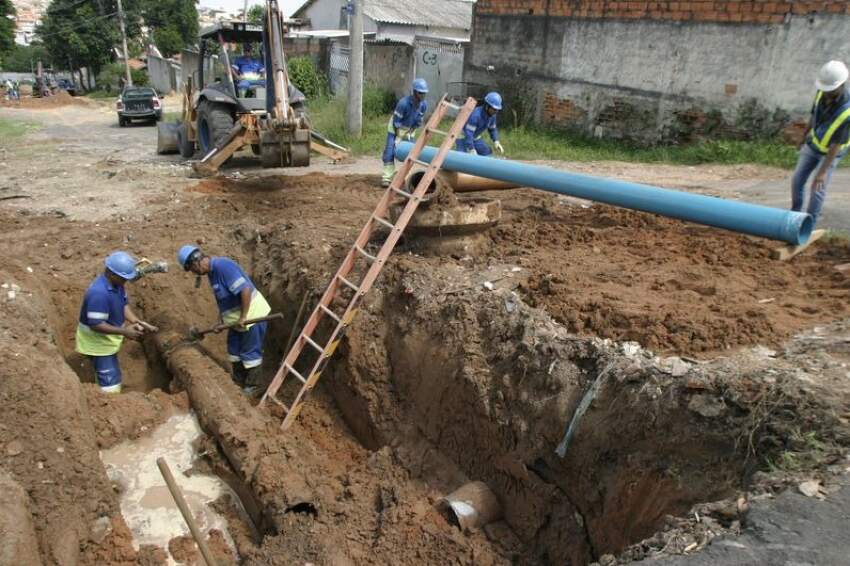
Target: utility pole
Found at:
245, 11
124, 43
354, 117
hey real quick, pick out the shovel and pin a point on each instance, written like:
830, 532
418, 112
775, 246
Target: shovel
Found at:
195, 334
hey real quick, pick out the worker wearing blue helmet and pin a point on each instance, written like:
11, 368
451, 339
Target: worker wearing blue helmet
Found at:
403, 123
482, 118
106, 319
238, 300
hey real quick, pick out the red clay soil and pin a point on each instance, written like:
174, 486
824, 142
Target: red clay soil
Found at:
668, 285
601, 271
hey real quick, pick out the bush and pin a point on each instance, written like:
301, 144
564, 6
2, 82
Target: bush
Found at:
111, 76
305, 76
377, 101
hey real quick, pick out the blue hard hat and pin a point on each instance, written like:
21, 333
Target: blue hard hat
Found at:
494, 99
185, 254
419, 85
123, 265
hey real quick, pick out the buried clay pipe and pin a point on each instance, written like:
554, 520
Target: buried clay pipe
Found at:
460, 182
473, 505
246, 436
767, 222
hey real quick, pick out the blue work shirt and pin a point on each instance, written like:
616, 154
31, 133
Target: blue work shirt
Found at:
407, 115
479, 121
244, 64
103, 302
227, 281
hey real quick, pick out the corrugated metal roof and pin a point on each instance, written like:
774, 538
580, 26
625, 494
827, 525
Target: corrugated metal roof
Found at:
438, 13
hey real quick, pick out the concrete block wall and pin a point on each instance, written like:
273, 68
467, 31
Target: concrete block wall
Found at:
655, 70
388, 65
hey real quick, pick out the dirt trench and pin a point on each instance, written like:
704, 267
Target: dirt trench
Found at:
439, 381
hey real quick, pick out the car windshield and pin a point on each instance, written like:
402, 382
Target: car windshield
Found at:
139, 92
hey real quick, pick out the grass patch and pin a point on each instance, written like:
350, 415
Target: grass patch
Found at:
11, 129
100, 94
529, 143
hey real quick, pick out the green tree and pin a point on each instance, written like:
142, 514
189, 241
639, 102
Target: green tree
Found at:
7, 27
256, 13
23, 57
76, 33
173, 23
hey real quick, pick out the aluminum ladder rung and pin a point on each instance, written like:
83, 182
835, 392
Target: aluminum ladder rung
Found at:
310, 341
402, 192
384, 221
439, 132
452, 106
420, 162
366, 254
330, 313
348, 283
279, 403
292, 370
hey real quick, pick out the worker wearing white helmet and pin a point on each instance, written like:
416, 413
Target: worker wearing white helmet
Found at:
826, 140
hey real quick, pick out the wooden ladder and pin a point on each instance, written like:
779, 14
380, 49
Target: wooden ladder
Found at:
341, 282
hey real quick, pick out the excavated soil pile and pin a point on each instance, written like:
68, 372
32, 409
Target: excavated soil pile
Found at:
456, 369
61, 98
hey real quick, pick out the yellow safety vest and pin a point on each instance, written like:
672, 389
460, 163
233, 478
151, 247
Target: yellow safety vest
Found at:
93, 343
257, 309
822, 143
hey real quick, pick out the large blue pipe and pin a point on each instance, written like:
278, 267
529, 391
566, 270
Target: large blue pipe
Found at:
774, 223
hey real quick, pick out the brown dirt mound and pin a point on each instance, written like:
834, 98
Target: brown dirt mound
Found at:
671, 286
61, 98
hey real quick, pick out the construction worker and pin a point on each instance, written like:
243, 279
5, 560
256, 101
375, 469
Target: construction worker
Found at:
238, 300
106, 319
403, 123
826, 139
249, 71
482, 118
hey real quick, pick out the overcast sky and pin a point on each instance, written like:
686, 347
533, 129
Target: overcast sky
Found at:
289, 6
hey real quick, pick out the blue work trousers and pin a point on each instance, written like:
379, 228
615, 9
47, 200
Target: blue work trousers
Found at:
247, 347
809, 161
481, 148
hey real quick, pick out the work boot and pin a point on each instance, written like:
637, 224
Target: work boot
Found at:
252, 382
239, 374
389, 171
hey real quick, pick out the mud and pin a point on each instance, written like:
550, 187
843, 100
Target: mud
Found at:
61, 98
439, 381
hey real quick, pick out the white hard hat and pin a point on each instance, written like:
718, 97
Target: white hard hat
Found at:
831, 76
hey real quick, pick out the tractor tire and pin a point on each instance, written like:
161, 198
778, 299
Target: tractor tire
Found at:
185, 146
214, 124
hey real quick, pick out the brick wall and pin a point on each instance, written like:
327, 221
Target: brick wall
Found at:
746, 11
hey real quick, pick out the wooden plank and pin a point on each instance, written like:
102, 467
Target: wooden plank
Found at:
332, 154
787, 252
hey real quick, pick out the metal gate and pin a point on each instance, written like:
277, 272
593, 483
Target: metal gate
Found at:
338, 75
439, 63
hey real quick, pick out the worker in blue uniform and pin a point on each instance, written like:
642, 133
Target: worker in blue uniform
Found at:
106, 319
482, 118
826, 140
249, 71
406, 118
238, 300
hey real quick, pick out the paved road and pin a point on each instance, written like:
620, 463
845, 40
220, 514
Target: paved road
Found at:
790, 530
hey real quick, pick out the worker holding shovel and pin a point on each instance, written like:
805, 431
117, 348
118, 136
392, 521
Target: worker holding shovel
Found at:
238, 301
106, 319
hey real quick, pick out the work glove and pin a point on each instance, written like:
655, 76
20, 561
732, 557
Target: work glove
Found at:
499, 147
472, 151
410, 135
